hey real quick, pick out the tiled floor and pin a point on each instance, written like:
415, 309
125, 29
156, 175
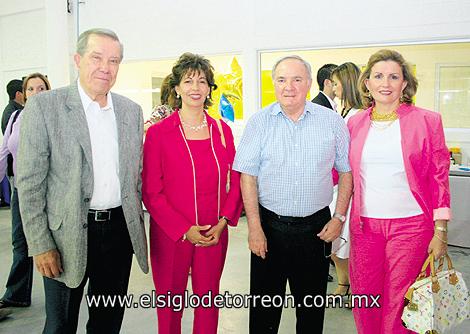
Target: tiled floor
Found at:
142, 321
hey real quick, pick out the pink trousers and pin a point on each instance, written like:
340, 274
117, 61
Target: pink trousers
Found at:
171, 262
386, 257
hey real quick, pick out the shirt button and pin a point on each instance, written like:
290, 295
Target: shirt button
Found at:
85, 225
86, 200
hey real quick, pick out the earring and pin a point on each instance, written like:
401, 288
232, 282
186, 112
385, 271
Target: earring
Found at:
178, 96
208, 97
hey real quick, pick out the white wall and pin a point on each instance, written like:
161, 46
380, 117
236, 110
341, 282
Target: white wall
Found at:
44, 34
160, 29
15, 59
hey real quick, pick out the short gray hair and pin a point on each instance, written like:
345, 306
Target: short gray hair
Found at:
82, 42
303, 61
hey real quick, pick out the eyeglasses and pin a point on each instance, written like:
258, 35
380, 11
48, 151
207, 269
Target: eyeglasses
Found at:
342, 244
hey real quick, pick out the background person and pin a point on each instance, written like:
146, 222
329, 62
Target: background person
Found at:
191, 193
16, 101
163, 110
326, 95
20, 279
345, 80
401, 198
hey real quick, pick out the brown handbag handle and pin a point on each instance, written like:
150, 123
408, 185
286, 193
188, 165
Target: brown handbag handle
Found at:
430, 263
453, 279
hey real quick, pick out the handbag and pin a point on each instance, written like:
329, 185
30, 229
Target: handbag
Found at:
222, 138
436, 302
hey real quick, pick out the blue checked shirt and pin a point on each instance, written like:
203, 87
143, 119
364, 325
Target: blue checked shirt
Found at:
293, 160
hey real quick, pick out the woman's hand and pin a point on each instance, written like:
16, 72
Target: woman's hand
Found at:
215, 232
437, 247
194, 236
438, 244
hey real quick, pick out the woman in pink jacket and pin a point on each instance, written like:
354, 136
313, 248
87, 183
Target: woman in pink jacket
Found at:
191, 193
401, 199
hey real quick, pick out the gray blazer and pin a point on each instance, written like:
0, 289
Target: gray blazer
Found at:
55, 177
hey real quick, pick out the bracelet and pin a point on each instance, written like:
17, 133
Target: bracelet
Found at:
440, 228
439, 238
184, 237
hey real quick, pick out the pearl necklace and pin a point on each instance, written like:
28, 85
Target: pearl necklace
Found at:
194, 128
380, 125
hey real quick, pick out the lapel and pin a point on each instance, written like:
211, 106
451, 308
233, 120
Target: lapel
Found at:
78, 121
359, 137
124, 142
358, 126
407, 143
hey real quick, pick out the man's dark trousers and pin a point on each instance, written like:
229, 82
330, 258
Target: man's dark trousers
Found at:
108, 269
297, 255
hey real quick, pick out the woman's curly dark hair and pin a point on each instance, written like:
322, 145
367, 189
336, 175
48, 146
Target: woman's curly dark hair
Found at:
190, 63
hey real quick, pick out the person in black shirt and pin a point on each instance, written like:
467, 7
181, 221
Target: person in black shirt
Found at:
15, 93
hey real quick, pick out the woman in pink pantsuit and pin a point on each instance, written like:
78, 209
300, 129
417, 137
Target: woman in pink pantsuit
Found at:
401, 199
191, 194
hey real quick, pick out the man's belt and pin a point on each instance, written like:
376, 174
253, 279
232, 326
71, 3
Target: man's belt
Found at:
102, 215
288, 219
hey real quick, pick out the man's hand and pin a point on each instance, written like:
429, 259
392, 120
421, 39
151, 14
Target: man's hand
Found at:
331, 230
257, 242
49, 264
256, 239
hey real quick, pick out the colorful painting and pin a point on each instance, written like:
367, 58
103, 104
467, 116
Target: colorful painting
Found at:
228, 97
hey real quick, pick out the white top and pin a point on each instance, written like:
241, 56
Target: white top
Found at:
104, 150
351, 113
385, 189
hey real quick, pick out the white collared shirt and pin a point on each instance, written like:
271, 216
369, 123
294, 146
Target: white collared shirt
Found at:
332, 102
104, 151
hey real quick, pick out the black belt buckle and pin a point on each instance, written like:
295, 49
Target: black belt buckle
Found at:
102, 215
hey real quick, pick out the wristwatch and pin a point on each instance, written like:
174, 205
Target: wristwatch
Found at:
341, 218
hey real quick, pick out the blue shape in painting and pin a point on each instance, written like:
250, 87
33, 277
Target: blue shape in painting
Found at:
226, 108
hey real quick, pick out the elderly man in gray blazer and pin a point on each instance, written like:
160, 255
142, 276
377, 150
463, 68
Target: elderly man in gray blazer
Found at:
79, 184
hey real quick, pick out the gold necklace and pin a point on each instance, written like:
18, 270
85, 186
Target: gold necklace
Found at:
378, 117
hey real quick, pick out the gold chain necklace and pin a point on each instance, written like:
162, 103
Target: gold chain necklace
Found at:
378, 117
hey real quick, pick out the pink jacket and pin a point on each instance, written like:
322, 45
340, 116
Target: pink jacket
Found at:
425, 156
168, 180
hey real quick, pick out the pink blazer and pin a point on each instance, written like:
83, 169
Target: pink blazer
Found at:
168, 179
425, 156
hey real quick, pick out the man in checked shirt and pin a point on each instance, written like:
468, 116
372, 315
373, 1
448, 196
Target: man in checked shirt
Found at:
286, 155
